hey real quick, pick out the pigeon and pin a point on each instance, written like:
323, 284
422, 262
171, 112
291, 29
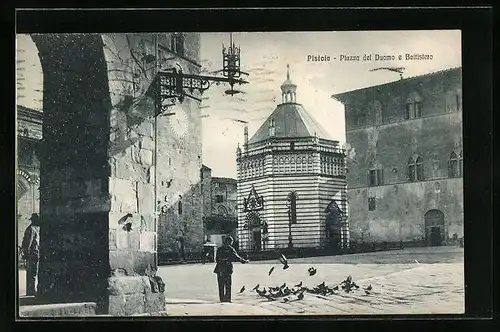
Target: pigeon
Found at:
286, 299
242, 289
300, 296
283, 286
322, 285
269, 297
369, 288
271, 271
299, 284
261, 292
284, 261
256, 287
312, 271
367, 292
336, 288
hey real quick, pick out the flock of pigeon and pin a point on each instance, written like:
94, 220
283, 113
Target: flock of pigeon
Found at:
296, 292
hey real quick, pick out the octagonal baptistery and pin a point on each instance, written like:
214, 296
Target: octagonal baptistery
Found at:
291, 183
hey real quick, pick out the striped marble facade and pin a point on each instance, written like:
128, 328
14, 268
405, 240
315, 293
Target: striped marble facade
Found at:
315, 171
290, 152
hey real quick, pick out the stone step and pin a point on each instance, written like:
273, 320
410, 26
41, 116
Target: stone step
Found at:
84, 309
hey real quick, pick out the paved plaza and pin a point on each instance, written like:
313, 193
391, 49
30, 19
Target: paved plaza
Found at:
410, 281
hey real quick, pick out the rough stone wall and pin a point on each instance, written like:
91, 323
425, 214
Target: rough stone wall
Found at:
400, 210
437, 91
98, 183
207, 191
400, 204
179, 163
131, 156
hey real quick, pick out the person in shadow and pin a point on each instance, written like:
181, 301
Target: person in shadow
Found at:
224, 268
30, 250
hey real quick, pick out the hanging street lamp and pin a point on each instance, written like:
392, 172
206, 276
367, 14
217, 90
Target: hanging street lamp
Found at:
172, 85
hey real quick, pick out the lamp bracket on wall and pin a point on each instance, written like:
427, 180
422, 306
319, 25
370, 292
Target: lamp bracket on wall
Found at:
172, 85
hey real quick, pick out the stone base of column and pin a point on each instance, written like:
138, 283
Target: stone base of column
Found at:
132, 295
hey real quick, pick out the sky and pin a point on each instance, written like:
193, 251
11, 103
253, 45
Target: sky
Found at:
265, 55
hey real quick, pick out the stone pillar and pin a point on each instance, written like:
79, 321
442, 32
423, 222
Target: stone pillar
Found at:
97, 185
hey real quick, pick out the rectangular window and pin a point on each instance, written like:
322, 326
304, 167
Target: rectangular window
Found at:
410, 111
371, 204
418, 109
219, 198
380, 180
420, 172
452, 168
373, 178
411, 173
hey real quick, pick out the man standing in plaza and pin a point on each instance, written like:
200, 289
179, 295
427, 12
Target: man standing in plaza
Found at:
224, 268
31, 253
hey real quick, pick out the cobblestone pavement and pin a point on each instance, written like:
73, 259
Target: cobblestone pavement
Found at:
403, 284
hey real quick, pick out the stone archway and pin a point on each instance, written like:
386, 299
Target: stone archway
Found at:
89, 174
434, 228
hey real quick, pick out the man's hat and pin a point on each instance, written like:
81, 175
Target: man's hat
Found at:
34, 216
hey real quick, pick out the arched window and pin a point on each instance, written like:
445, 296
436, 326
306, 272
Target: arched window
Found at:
222, 210
292, 207
412, 170
455, 165
414, 106
415, 169
420, 169
410, 111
